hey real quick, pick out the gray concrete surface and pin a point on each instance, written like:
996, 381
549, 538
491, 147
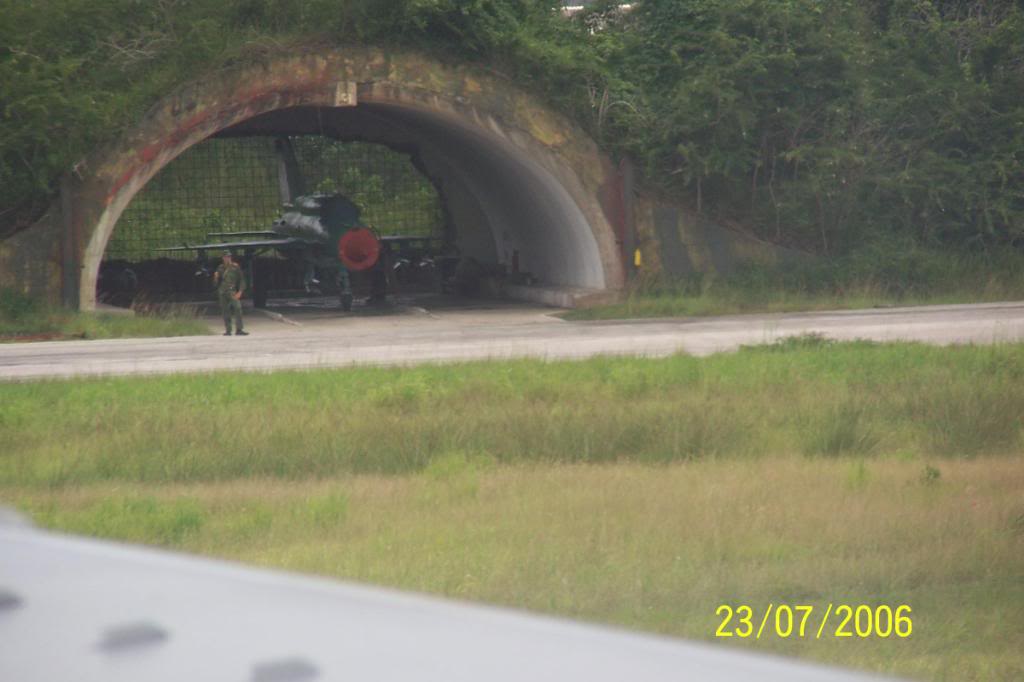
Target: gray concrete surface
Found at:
307, 337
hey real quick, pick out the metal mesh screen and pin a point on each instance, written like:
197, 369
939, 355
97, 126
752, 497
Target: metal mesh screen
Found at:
231, 184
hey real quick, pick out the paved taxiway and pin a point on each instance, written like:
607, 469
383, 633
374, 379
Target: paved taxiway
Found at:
318, 338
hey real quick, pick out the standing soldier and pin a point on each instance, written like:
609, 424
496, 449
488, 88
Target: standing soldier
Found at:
230, 283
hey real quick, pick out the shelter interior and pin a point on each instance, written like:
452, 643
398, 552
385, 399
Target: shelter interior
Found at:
412, 172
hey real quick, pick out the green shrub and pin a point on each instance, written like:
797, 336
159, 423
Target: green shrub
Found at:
16, 306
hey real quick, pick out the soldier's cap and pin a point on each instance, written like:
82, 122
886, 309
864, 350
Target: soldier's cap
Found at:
227, 252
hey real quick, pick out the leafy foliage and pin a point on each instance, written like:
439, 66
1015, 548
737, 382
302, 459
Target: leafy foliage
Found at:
821, 125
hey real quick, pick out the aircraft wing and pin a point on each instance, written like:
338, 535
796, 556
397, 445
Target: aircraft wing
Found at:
407, 238
92, 611
255, 233
251, 244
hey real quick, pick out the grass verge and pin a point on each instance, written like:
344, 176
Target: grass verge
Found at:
811, 396
881, 276
26, 319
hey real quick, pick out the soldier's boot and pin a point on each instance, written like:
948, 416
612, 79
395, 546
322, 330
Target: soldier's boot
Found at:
241, 332
227, 327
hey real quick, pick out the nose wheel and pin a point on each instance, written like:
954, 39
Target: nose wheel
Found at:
344, 289
257, 281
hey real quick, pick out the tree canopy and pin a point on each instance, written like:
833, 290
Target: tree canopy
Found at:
819, 124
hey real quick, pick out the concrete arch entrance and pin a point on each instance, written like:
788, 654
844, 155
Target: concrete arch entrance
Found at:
517, 178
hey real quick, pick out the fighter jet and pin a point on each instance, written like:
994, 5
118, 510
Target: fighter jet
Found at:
322, 231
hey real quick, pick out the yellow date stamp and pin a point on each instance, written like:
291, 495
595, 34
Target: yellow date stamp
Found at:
802, 621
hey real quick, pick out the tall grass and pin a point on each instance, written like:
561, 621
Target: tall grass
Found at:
657, 548
881, 274
26, 318
804, 396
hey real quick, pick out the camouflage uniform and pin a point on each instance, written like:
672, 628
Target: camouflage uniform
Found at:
230, 281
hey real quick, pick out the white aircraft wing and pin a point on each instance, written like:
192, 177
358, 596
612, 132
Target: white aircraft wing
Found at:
251, 244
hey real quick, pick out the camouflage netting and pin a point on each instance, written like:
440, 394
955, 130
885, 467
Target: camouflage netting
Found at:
231, 184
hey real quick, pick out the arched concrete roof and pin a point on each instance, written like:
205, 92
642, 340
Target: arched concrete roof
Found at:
517, 176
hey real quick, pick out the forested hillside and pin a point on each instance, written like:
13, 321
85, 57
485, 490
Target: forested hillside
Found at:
819, 124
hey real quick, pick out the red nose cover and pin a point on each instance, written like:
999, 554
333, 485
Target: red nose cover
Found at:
358, 249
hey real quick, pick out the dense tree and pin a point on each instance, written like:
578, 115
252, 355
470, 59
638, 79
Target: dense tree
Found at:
823, 125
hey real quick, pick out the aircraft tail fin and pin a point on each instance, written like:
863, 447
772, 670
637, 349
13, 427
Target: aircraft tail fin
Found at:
289, 178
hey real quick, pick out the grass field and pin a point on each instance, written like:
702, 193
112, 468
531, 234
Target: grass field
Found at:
643, 493
725, 300
26, 319
877, 277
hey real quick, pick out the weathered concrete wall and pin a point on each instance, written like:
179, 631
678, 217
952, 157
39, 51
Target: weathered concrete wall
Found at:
30, 261
676, 242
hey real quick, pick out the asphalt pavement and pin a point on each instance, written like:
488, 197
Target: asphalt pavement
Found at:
300, 336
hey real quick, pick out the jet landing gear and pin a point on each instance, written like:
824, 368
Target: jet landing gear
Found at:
258, 281
310, 283
345, 289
